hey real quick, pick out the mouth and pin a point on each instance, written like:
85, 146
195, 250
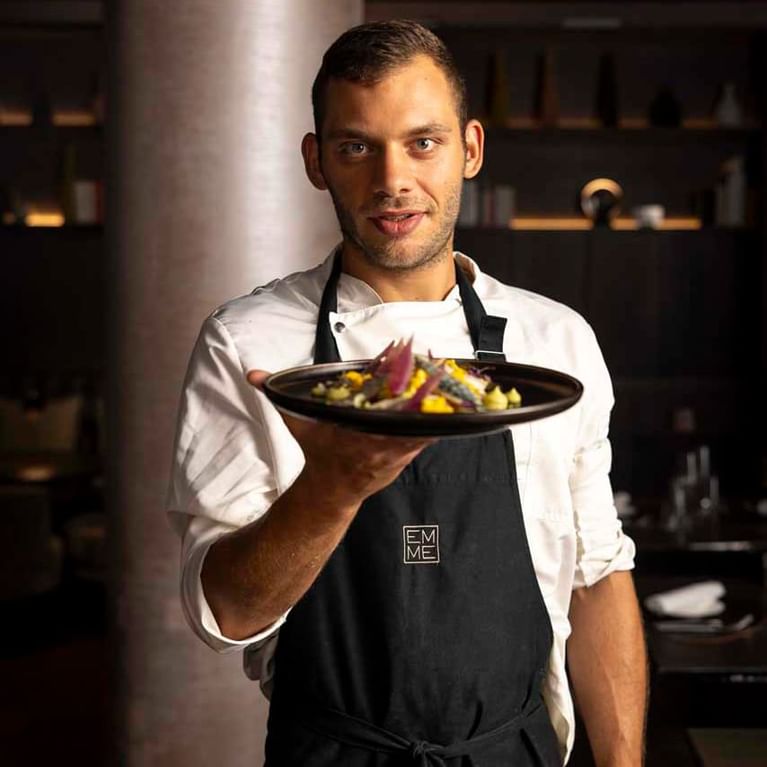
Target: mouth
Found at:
397, 223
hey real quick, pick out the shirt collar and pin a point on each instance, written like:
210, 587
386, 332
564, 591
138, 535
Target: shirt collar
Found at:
354, 294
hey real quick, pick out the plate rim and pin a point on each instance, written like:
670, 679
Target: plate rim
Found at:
462, 423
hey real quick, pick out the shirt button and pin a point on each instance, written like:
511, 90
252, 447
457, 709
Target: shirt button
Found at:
339, 327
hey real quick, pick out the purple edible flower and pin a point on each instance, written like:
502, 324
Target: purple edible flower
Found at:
376, 363
400, 367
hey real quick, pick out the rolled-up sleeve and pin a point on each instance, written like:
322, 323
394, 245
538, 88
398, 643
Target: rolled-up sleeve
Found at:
602, 546
221, 477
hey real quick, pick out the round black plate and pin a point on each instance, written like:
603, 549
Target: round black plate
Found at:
544, 393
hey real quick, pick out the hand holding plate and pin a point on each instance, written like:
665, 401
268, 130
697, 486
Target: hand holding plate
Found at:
345, 464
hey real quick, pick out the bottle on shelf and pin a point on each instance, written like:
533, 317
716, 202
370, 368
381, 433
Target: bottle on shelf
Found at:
731, 193
546, 94
8, 207
665, 109
498, 101
97, 99
469, 213
497, 206
67, 180
42, 113
606, 106
88, 438
727, 110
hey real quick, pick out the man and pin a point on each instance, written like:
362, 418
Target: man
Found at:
293, 530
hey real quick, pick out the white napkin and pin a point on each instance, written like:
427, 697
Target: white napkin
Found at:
698, 600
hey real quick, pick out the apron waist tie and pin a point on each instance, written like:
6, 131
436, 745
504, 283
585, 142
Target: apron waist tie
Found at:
359, 733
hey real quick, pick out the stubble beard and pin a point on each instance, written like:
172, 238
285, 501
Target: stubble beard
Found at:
399, 256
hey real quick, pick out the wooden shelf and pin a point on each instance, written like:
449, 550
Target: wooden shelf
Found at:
565, 223
21, 120
84, 228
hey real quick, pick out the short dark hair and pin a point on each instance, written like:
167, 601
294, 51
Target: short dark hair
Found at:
369, 52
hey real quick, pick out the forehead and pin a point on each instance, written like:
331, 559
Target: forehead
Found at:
418, 92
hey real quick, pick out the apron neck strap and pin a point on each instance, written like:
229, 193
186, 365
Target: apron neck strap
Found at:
325, 348
485, 330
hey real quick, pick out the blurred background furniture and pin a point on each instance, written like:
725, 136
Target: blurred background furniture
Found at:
31, 561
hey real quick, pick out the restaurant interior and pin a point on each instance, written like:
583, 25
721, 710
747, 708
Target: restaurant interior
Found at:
625, 172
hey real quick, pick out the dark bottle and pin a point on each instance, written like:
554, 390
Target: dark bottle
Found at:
546, 95
67, 177
607, 92
497, 102
88, 426
665, 109
42, 113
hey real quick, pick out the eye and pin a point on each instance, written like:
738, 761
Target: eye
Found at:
353, 148
424, 144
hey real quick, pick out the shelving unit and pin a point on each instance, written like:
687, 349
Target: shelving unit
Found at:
681, 312
53, 312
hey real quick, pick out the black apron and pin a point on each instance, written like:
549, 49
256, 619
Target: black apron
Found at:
425, 638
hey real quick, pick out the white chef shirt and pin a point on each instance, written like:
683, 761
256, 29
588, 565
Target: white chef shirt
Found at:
234, 455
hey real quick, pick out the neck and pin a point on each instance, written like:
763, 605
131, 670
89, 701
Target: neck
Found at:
431, 282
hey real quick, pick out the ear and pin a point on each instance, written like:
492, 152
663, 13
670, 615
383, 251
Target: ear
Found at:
311, 154
475, 148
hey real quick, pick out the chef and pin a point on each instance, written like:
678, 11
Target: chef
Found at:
406, 600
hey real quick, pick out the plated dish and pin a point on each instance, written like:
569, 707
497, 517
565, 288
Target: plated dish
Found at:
529, 393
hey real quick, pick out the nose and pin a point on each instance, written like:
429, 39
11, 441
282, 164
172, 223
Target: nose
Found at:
393, 172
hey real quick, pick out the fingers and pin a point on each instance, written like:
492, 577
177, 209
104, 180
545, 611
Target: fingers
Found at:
257, 377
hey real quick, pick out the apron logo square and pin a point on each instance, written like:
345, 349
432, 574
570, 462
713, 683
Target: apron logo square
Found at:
421, 544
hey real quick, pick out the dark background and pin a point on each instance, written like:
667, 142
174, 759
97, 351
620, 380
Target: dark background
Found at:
680, 315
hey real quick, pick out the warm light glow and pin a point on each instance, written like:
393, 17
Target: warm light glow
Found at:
15, 117
579, 123
597, 184
44, 219
633, 123
576, 224
36, 473
74, 118
677, 224
566, 223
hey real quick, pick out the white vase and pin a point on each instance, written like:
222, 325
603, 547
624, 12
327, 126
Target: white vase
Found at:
727, 110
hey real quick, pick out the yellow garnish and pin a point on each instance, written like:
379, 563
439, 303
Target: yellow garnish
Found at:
356, 379
514, 397
436, 403
319, 390
416, 381
495, 399
338, 392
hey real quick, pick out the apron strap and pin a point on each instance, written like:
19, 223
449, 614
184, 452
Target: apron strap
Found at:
325, 347
485, 330
358, 733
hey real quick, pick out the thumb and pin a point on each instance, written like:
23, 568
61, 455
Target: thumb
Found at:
257, 377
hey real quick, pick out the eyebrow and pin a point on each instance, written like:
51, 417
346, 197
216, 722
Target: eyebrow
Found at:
352, 132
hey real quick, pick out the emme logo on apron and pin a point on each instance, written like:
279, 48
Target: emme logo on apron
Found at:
421, 544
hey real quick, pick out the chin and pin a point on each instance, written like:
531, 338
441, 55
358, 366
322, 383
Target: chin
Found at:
401, 255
